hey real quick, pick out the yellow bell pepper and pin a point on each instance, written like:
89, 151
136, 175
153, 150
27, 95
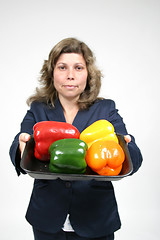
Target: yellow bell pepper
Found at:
99, 130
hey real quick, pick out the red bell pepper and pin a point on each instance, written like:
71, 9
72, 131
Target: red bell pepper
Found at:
47, 132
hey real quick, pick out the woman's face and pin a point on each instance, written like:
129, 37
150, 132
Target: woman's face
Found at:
70, 76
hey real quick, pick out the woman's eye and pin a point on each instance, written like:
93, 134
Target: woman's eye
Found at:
79, 68
62, 67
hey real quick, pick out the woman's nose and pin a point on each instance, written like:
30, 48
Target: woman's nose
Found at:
70, 74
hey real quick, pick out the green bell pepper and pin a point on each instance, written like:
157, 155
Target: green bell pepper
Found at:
68, 156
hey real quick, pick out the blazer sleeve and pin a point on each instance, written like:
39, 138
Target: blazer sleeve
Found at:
120, 128
27, 127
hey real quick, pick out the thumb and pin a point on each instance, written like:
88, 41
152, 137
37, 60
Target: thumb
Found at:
24, 137
127, 138
27, 137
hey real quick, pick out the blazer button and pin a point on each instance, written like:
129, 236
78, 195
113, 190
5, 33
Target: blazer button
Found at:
68, 184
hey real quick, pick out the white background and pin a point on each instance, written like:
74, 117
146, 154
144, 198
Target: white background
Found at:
125, 37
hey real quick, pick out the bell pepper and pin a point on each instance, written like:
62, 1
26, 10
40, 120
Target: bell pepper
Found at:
47, 132
105, 158
68, 156
99, 130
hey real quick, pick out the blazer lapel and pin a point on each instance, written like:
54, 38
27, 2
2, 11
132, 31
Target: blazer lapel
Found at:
55, 113
82, 120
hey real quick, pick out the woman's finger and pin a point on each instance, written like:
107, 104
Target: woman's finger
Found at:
23, 138
127, 138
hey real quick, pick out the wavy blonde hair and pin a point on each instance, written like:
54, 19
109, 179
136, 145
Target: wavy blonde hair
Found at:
47, 92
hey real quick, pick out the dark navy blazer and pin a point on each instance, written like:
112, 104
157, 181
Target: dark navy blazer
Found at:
91, 204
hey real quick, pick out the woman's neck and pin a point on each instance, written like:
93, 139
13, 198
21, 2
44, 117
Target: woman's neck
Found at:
70, 109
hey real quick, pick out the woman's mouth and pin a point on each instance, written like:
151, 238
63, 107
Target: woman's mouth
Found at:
70, 86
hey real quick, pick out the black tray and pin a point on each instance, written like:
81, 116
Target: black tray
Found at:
40, 170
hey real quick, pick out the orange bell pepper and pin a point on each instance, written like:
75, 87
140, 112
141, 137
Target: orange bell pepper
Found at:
99, 130
105, 158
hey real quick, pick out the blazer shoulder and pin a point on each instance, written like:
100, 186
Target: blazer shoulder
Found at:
105, 103
36, 105
39, 107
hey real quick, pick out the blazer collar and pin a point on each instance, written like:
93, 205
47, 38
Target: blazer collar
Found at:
81, 120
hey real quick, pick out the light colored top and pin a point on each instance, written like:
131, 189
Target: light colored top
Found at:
67, 227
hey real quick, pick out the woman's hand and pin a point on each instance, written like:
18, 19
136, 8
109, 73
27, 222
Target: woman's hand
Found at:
23, 138
127, 138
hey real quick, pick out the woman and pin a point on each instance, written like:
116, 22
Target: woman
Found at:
70, 84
